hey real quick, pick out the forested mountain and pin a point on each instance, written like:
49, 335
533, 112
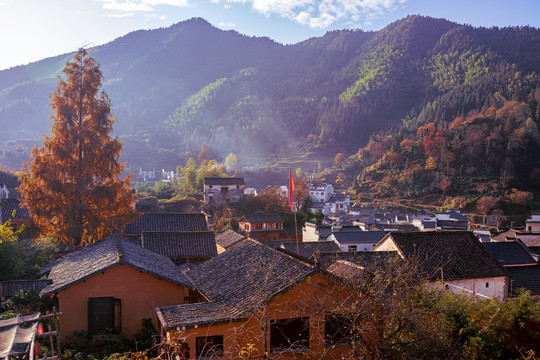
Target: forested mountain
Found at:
173, 89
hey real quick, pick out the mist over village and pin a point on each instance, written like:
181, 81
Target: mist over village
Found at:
267, 180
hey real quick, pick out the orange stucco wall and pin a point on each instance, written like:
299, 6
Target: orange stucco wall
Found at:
139, 292
313, 298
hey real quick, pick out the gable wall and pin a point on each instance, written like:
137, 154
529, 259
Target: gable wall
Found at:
498, 287
139, 292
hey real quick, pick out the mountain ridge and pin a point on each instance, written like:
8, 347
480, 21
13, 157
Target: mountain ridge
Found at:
175, 88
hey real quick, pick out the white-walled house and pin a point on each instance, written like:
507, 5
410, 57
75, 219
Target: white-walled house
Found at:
356, 240
219, 190
320, 192
533, 223
454, 260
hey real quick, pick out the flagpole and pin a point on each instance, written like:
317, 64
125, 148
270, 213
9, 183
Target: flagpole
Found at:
291, 195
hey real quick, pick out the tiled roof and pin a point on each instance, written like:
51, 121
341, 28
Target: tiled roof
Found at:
358, 237
261, 218
526, 277
223, 181
453, 224
167, 222
236, 282
10, 205
308, 249
510, 253
459, 253
345, 269
12, 287
229, 238
372, 260
457, 215
181, 244
105, 254
534, 243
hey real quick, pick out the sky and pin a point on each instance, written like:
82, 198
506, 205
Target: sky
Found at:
31, 30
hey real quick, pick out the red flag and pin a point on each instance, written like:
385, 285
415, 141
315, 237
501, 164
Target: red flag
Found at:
291, 189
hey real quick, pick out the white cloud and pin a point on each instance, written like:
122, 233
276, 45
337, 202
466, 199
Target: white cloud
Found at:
120, 15
177, 3
122, 8
321, 13
226, 25
126, 6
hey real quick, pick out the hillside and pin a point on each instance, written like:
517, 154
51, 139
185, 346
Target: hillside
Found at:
175, 88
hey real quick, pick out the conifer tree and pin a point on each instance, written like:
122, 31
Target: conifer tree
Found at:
72, 187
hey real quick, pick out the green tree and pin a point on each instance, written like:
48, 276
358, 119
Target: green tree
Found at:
189, 175
72, 188
231, 162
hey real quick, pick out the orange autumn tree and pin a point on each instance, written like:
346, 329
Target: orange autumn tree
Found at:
72, 187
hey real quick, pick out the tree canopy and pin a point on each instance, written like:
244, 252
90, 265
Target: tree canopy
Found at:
72, 187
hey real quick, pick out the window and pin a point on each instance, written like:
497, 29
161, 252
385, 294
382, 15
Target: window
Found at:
289, 334
247, 227
209, 346
487, 284
104, 315
337, 330
352, 248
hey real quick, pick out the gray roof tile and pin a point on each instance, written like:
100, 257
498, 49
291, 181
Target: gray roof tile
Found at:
223, 181
229, 238
167, 222
181, 244
526, 277
262, 218
12, 287
308, 249
510, 253
10, 205
372, 260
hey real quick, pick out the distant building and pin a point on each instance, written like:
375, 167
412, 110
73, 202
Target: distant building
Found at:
320, 192
454, 260
533, 223
223, 190
356, 240
262, 226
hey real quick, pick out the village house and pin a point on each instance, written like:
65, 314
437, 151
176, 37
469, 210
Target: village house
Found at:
338, 204
453, 220
520, 262
260, 296
262, 226
455, 260
112, 284
219, 190
532, 224
320, 192
315, 232
355, 240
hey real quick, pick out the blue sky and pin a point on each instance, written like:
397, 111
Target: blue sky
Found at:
31, 30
